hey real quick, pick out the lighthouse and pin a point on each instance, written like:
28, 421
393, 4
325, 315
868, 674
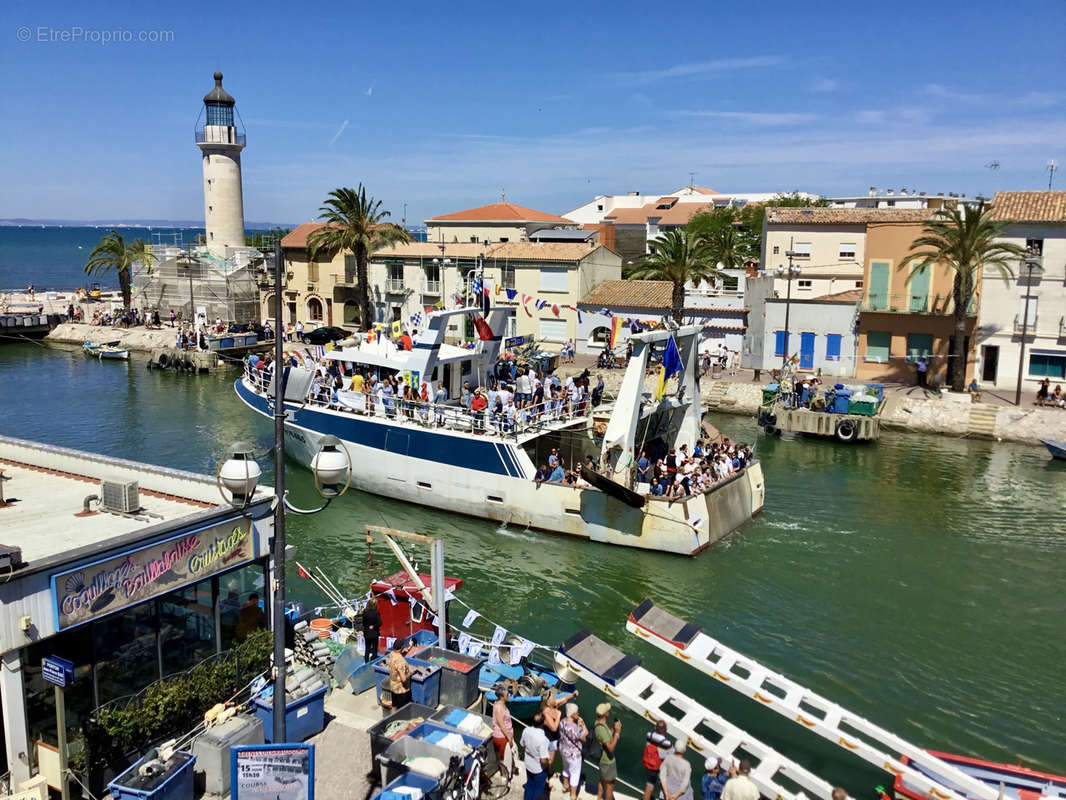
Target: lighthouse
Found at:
220, 145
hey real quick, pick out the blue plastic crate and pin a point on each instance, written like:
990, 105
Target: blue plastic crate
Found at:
841, 400
410, 780
131, 785
876, 389
303, 718
430, 732
425, 689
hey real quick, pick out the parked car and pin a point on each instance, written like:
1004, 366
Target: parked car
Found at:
325, 335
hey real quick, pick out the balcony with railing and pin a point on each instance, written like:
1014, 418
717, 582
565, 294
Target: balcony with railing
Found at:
907, 303
431, 287
1028, 325
216, 134
394, 285
1062, 327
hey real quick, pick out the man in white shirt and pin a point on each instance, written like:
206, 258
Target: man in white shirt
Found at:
739, 786
534, 743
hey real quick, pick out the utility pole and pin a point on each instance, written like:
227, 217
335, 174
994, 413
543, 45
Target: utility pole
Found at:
1032, 262
278, 617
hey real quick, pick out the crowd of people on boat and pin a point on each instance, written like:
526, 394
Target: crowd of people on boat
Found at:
679, 473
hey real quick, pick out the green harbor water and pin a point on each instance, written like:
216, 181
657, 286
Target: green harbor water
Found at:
919, 581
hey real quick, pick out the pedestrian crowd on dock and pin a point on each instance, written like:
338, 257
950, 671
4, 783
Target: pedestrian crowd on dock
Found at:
1049, 398
558, 742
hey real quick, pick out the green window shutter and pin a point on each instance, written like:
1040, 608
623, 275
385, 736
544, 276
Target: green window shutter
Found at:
877, 297
918, 345
919, 291
878, 346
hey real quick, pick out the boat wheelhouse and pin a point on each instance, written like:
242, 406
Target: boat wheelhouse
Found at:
443, 455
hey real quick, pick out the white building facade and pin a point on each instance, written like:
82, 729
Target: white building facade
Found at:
1036, 221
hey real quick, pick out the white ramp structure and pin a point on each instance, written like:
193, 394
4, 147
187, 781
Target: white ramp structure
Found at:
849, 731
621, 677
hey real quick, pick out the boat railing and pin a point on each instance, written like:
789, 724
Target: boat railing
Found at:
557, 412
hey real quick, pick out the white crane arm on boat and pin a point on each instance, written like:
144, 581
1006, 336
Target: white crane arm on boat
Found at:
857, 735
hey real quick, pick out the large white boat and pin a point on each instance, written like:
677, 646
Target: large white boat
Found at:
445, 456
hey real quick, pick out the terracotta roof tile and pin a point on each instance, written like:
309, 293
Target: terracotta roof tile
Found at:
633, 216
1029, 206
430, 250
542, 251
297, 237
843, 216
499, 212
656, 295
850, 296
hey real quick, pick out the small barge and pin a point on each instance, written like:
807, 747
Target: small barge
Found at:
847, 414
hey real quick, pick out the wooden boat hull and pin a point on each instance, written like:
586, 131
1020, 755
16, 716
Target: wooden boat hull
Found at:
1019, 783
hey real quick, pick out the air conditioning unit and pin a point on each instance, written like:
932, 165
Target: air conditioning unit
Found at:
121, 496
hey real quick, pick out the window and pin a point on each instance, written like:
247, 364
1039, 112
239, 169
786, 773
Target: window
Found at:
599, 207
314, 309
780, 347
1027, 317
553, 330
601, 335
1047, 365
312, 272
878, 346
553, 279
777, 249
1035, 246
507, 276
891, 203
804, 286
877, 297
832, 346
801, 250
919, 290
848, 250
473, 239
505, 238
351, 268
858, 284
919, 345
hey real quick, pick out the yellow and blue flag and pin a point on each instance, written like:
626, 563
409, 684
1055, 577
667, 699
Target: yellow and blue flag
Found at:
671, 365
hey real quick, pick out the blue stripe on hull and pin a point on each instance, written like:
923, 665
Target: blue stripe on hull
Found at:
482, 455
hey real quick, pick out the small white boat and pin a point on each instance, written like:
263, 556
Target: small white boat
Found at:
110, 350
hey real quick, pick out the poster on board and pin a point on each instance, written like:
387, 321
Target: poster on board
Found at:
273, 772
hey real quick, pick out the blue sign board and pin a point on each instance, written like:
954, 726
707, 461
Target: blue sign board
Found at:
57, 670
516, 341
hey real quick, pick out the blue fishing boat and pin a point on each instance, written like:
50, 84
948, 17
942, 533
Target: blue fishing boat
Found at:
528, 683
1057, 449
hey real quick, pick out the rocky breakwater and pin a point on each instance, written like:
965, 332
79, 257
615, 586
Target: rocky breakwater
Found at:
142, 340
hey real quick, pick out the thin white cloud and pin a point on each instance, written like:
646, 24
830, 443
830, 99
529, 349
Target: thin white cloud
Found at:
825, 85
941, 92
762, 118
871, 116
701, 68
1040, 99
340, 130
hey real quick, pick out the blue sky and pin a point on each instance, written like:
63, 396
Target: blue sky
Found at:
440, 105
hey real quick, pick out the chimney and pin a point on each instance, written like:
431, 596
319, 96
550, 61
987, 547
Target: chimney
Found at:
889, 192
873, 191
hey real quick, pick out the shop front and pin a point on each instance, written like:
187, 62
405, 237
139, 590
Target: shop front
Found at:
126, 611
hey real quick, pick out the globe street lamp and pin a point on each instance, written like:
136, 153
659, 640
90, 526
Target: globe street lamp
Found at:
1034, 264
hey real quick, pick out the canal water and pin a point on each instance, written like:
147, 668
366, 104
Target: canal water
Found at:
918, 581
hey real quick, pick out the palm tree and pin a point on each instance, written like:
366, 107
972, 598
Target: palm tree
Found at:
355, 223
113, 252
678, 257
964, 242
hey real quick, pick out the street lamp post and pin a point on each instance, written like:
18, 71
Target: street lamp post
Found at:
239, 474
1032, 262
792, 272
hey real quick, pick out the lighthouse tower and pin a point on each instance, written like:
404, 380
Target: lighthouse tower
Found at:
221, 146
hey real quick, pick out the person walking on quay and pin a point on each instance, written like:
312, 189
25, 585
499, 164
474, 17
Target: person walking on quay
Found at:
740, 786
503, 731
657, 749
608, 738
572, 734
399, 674
299, 331
535, 747
922, 366
676, 774
371, 630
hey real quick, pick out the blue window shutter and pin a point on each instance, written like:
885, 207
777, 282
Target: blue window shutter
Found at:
832, 346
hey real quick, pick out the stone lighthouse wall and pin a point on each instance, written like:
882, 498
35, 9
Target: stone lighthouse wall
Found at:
223, 198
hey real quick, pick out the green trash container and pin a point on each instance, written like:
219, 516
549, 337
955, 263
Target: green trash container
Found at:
865, 408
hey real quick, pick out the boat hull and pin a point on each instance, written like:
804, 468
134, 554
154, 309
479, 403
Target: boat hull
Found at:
1018, 782
490, 478
1057, 449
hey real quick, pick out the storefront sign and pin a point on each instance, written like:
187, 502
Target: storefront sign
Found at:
516, 341
57, 670
107, 586
272, 772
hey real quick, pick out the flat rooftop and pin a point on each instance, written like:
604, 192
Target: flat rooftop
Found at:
45, 488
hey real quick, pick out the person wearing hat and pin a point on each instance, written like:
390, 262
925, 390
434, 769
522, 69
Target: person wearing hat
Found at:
676, 774
399, 673
713, 780
572, 734
608, 737
740, 786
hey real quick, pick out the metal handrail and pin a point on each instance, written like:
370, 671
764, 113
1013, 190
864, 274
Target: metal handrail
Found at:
394, 285
1028, 325
908, 303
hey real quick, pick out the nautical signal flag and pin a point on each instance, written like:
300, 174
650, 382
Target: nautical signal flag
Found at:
671, 366
397, 330
616, 325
